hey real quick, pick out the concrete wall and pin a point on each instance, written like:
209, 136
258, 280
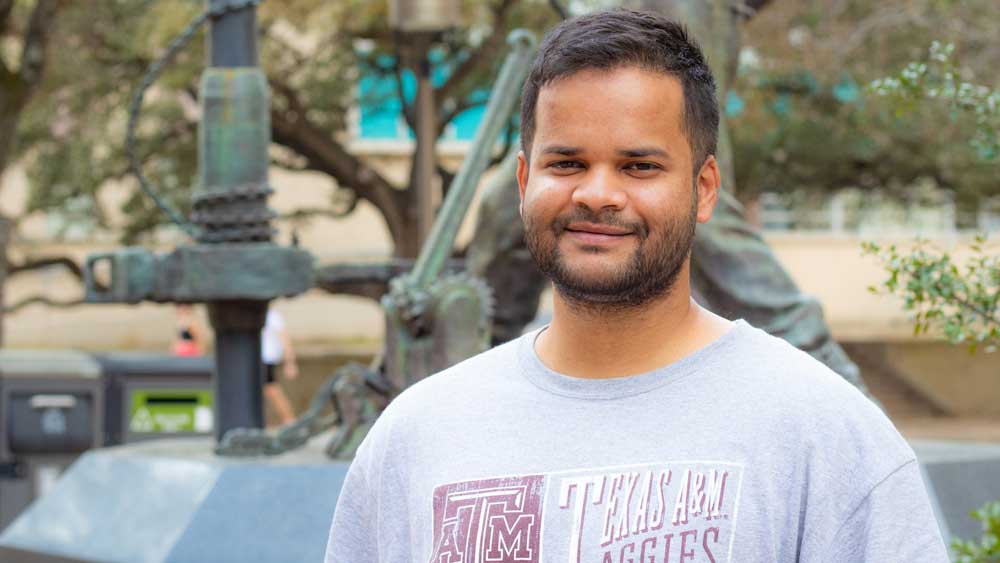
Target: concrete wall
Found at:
962, 383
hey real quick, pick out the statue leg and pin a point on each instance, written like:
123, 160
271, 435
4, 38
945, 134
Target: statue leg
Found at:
499, 255
735, 274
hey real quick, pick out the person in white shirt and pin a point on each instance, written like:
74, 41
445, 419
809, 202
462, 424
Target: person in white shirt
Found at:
276, 348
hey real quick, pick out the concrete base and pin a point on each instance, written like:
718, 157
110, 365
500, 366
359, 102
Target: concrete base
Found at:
961, 477
174, 501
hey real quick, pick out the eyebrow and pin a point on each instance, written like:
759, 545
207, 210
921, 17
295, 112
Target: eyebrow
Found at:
638, 152
561, 149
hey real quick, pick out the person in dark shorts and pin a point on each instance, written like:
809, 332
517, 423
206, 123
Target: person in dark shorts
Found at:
276, 348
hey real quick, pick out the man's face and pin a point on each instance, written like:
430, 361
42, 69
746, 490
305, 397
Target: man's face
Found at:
608, 199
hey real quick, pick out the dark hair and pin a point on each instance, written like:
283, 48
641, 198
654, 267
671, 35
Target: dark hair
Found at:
618, 38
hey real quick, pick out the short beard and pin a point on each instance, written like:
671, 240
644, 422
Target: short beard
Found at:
650, 274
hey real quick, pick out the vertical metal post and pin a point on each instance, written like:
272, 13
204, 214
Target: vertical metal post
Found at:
239, 372
233, 38
230, 202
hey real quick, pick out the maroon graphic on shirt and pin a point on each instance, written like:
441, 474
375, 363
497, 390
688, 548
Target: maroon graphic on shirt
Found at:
670, 512
488, 520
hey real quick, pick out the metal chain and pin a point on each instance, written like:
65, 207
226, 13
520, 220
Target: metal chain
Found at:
135, 106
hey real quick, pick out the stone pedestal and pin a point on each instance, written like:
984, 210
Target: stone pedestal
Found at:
174, 501
961, 477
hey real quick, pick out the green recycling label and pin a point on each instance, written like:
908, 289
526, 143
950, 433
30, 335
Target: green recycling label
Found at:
170, 411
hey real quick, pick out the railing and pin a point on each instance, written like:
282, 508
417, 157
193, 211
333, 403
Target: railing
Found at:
857, 212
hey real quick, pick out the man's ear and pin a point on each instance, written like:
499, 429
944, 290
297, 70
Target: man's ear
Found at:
522, 179
707, 183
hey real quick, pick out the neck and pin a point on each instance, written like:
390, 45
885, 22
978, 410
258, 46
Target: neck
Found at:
612, 342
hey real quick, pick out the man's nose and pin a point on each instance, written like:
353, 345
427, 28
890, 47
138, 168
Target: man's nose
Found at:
599, 189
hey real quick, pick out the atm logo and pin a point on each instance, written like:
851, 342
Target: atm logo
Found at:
488, 520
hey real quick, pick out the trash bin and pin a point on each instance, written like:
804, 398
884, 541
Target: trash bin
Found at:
156, 396
51, 406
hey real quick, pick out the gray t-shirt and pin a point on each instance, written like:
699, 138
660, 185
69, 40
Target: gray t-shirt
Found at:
745, 451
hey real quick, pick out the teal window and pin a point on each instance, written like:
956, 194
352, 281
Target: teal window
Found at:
381, 113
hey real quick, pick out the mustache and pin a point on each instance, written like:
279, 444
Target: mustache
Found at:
606, 217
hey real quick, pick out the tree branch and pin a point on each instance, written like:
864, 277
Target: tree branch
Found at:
323, 153
975, 309
447, 177
485, 52
41, 300
5, 8
753, 6
448, 117
886, 17
300, 60
31, 264
36, 40
397, 70
310, 212
39, 263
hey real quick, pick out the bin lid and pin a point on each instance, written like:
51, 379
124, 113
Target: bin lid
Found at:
48, 364
135, 364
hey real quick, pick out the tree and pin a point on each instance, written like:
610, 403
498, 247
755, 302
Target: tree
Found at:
799, 118
28, 29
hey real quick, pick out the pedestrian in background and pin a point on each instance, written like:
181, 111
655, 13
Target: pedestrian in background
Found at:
189, 338
276, 349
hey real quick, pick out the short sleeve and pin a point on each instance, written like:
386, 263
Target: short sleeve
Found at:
371, 520
274, 320
894, 522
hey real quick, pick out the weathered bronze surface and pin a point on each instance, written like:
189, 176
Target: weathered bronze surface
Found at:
233, 267
434, 319
202, 273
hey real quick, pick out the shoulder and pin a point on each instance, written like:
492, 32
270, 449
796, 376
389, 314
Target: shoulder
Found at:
453, 393
473, 379
817, 408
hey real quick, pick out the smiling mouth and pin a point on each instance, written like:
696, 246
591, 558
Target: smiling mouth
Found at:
597, 229
593, 234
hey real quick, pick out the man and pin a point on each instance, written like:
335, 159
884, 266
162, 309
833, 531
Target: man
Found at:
637, 426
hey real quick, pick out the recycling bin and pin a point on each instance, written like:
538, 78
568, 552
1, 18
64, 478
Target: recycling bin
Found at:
152, 396
51, 410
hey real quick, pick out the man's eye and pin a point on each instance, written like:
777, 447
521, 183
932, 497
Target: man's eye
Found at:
565, 164
641, 166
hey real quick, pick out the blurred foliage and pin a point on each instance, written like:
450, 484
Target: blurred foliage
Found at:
799, 118
937, 78
987, 548
71, 137
961, 302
